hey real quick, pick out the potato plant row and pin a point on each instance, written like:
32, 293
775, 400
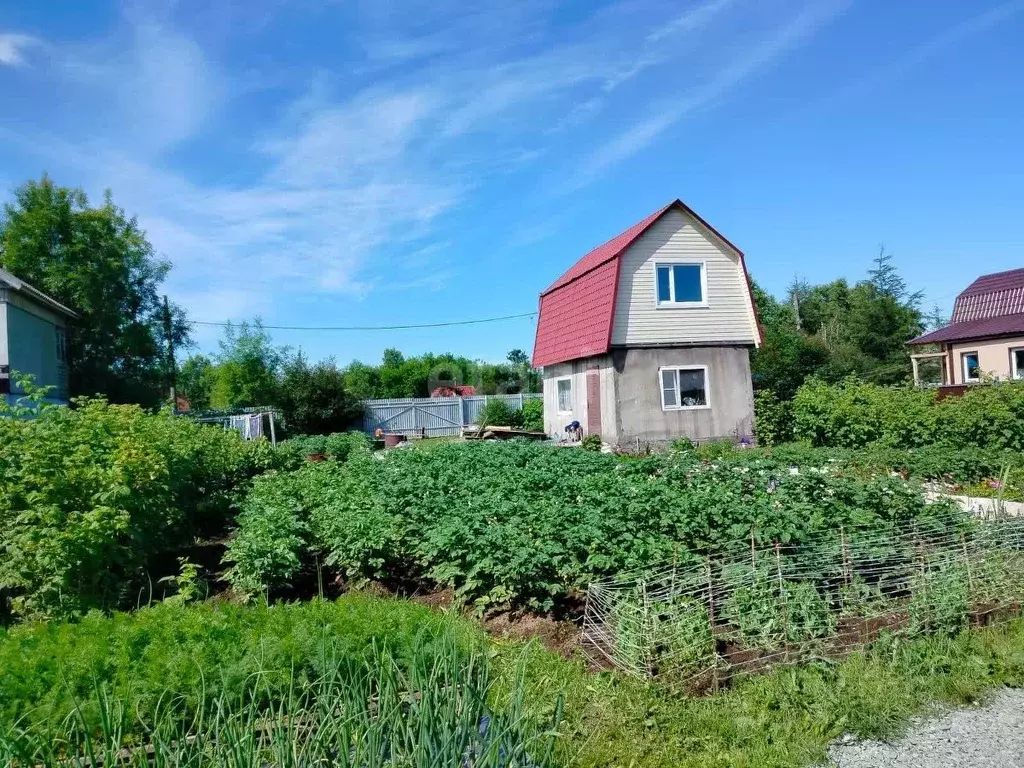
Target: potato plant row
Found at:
528, 525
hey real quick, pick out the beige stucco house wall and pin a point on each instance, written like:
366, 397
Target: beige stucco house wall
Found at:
994, 358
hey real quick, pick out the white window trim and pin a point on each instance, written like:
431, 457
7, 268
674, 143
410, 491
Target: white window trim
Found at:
672, 284
558, 404
661, 388
1013, 359
965, 370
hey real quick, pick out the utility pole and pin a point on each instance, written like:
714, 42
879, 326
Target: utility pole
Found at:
173, 370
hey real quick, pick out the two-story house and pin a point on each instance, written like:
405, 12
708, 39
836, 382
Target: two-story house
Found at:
648, 336
985, 337
33, 339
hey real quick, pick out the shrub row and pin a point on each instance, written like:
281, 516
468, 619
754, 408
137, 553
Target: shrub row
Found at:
500, 413
853, 414
89, 497
946, 463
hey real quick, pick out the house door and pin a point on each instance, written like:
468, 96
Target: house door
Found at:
593, 402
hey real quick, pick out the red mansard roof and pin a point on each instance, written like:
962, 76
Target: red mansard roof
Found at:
993, 305
578, 309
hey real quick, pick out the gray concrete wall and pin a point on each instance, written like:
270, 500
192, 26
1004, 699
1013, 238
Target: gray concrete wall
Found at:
637, 392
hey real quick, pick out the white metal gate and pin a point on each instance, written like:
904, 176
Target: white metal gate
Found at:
432, 416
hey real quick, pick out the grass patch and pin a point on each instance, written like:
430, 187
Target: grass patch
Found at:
784, 718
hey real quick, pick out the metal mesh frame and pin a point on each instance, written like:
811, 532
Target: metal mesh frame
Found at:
768, 604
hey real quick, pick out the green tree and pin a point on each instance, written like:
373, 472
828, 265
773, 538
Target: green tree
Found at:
788, 356
313, 399
518, 358
886, 279
196, 379
248, 369
97, 261
361, 380
835, 330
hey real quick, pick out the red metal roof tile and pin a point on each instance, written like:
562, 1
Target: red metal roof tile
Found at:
607, 251
575, 319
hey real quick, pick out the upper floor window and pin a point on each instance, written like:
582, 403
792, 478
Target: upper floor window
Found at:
62, 345
681, 284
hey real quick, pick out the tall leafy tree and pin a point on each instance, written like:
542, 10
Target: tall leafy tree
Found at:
196, 378
788, 356
313, 399
518, 358
249, 368
97, 261
837, 329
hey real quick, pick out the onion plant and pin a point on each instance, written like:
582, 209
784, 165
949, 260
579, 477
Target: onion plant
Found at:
437, 709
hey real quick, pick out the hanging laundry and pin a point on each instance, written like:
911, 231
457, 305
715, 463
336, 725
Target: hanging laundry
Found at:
240, 424
248, 425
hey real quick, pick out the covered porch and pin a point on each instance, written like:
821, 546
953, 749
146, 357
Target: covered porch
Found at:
931, 369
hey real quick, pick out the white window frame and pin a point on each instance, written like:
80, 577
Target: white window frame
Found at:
679, 406
1014, 372
965, 370
558, 399
671, 303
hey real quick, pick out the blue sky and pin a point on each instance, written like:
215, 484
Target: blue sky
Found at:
362, 163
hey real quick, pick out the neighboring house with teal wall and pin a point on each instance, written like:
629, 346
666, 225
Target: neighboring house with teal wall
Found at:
33, 339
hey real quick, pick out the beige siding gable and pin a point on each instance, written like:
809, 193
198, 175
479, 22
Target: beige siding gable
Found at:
676, 237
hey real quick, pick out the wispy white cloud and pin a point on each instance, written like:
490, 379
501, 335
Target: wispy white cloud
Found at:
372, 129
626, 144
405, 49
692, 20
345, 184
13, 47
749, 62
926, 51
155, 82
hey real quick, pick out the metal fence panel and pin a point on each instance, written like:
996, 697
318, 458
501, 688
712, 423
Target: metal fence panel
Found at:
432, 416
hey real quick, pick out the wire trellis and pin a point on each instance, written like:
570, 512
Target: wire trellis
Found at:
767, 604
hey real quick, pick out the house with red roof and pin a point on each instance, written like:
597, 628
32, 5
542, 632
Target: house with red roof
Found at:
985, 337
648, 336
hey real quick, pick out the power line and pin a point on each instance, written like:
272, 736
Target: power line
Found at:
225, 323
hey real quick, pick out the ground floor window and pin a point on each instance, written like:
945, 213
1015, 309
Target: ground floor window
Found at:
684, 387
1017, 363
564, 389
972, 369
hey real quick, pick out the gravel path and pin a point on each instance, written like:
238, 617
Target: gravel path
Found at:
989, 736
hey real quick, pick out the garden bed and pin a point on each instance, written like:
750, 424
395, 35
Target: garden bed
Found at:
516, 525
